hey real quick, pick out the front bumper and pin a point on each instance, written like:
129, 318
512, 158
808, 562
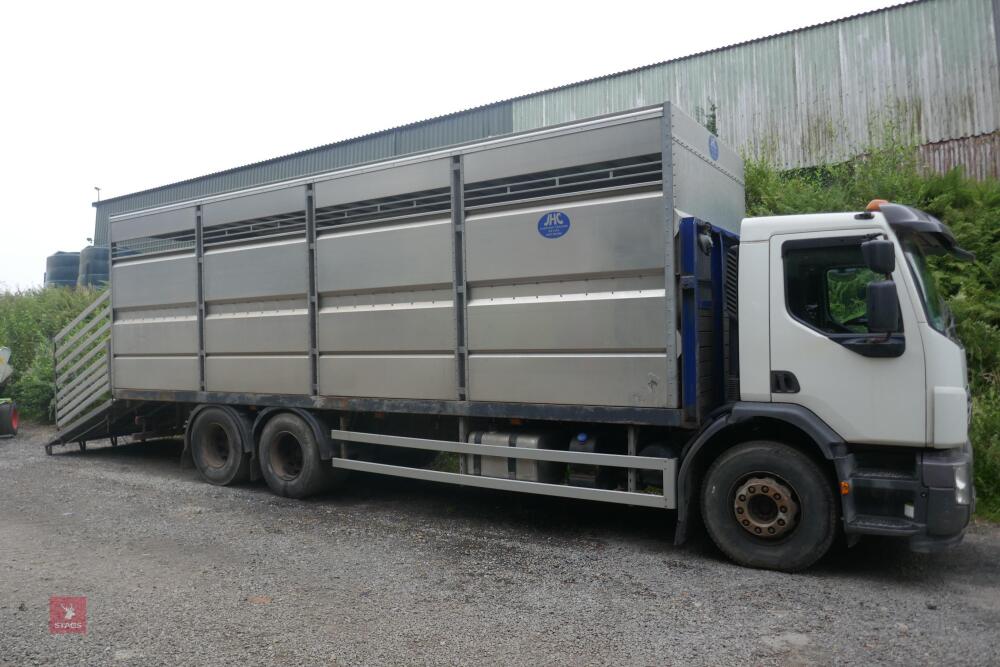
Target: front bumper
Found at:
919, 496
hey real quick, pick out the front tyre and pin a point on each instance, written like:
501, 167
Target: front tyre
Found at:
290, 458
768, 505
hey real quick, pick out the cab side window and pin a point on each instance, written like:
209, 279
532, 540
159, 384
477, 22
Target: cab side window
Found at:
825, 284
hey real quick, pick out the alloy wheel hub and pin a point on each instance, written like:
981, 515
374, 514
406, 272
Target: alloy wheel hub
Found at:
765, 507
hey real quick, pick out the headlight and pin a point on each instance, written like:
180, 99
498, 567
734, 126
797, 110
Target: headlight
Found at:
963, 486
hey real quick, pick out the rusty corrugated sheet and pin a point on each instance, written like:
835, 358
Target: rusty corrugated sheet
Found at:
979, 156
820, 94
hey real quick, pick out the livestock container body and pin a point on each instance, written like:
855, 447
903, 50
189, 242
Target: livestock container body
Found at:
534, 275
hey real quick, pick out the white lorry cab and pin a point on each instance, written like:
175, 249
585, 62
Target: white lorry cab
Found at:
579, 311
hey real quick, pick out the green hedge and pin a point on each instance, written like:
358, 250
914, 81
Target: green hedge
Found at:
971, 209
28, 321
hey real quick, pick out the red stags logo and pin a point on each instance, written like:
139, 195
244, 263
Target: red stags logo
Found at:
67, 614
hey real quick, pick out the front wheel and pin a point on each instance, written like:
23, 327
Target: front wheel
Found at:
768, 505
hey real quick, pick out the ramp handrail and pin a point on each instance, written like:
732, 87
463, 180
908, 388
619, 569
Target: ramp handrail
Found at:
82, 362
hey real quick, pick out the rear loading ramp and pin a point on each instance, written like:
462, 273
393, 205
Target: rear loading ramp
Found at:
84, 408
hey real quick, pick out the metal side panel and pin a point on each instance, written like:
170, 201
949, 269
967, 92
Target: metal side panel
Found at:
275, 332
707, 175
175, 335
634, 380
154, 282
256, 271
566, 150
425, 376
394, 256
157, 373
153, 224
395, 327
383, 183
258, 374
626, 320
608, 236
286, 200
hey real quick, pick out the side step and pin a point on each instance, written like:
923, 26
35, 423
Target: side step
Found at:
882, 525
666, 500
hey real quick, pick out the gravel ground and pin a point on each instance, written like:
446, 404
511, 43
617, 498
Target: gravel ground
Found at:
400, 572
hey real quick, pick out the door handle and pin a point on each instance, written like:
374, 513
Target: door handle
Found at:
784, 382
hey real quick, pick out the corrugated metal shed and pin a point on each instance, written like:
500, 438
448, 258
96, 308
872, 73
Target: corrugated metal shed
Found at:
804, 97
820, 94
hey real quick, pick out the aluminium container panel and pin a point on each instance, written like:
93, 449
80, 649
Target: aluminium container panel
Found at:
707, 176
581, 317
155, 282
386, 321
385, 258
258, 374
166, 222
545, 314
427, 376
607, 236
569, 147
157, 335
156, 373
281, 332
254, 295
256, 272
255, 206
636, 380
379, 183
411, 327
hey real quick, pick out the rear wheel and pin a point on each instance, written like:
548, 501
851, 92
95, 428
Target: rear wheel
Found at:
10, 419
768, 505
290, 458
217, 447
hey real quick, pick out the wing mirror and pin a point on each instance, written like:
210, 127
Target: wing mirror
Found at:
882, 310
880, 256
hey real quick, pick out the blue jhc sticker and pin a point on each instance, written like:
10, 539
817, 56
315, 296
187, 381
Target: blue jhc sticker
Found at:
553, 225
713, 147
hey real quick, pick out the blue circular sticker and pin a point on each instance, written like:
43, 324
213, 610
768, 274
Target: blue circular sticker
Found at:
713, 147
553, 225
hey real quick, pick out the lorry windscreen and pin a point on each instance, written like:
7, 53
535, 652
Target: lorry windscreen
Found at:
938, 314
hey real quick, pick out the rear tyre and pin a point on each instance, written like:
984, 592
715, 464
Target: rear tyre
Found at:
10, 419
768, 505
216, 443
290, 458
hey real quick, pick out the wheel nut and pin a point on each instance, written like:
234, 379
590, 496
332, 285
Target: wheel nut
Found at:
742, 498
781, 522
764, 489
777, 496
771, 530
783, 509
757, 530
746, 522
752, 489
739, 510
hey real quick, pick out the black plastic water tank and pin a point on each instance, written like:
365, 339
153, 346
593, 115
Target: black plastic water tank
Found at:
62, 269
94, 263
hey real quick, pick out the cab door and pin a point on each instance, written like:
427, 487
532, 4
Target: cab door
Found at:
819, 357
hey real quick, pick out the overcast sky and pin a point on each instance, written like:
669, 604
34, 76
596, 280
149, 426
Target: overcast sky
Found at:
133, 95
